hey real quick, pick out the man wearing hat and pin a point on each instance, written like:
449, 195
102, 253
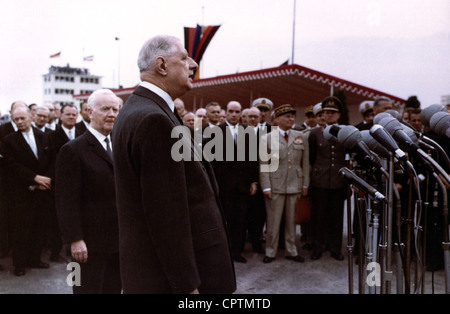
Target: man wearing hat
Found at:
309, 121
366, 110
265, 106
318, 113
284, 184
328, 189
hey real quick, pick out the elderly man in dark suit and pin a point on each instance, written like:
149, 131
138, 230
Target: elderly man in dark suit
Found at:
173, 238
86, 199
237, 177
6, 192
67, 131
30, 159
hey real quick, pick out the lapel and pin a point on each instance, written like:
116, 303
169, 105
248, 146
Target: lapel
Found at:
97, 148
145, 92
176, 120
291, 138
40, 145
23, 142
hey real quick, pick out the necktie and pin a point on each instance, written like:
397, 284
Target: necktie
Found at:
32, 144
108, 148
70, 135
235, 133
286, 136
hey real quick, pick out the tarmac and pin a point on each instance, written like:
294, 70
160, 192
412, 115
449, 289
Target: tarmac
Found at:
282, 276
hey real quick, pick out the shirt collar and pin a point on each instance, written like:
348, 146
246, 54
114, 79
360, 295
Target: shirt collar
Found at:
99, 136
161, 93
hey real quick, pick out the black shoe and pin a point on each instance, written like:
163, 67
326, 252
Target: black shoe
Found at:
337, 256
316, 255
19, 271
240, 259
257, 247
268, 259
39, 265
297, 258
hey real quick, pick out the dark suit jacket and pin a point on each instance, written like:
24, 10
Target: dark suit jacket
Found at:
60, 138
235, 175
81, 127
85, 195
22, 161
364, 126
5, 129
173, 237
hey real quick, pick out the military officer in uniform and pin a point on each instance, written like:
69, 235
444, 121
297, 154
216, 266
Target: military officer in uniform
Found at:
327, 188
284, 183
366, 110
265, 106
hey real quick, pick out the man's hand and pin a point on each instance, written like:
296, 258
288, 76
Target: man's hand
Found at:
304, 192
268, 194
79, 251
253, 188
43, 182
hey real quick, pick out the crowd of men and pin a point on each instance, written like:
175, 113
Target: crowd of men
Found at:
77, 181
258, 206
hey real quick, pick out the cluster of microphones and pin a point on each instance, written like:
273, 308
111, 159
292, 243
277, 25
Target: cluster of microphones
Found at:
391, 137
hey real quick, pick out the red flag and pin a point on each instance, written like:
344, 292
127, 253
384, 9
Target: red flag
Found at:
197, 39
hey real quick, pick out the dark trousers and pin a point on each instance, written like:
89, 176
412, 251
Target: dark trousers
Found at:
256, 217
235, 210
29, 231
100, 275
327, 218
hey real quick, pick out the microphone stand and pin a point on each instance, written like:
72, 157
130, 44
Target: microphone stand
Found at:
349, 240
446, 243
388, 269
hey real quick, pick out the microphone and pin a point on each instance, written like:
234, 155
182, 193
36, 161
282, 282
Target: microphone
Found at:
385, 139
396, 130
350, 137
330, 132
374, 145
440, 123
428, 112
394, 113
360, 183
381, 115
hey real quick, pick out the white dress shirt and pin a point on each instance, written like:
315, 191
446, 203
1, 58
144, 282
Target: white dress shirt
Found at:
158, 91
29, 137
100, 137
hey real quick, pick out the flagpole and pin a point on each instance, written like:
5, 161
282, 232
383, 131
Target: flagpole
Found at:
293, 32
118, 62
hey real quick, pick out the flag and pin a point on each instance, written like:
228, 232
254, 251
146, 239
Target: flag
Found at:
196, 40
285, 63
88, 58
56, 55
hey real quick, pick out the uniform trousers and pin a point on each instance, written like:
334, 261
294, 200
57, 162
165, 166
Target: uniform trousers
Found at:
275, 208
327, 218
100, 275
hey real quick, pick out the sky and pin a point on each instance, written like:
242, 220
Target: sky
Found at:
400, 47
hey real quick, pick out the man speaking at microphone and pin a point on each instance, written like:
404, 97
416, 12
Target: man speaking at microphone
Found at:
328, 189
173, 237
